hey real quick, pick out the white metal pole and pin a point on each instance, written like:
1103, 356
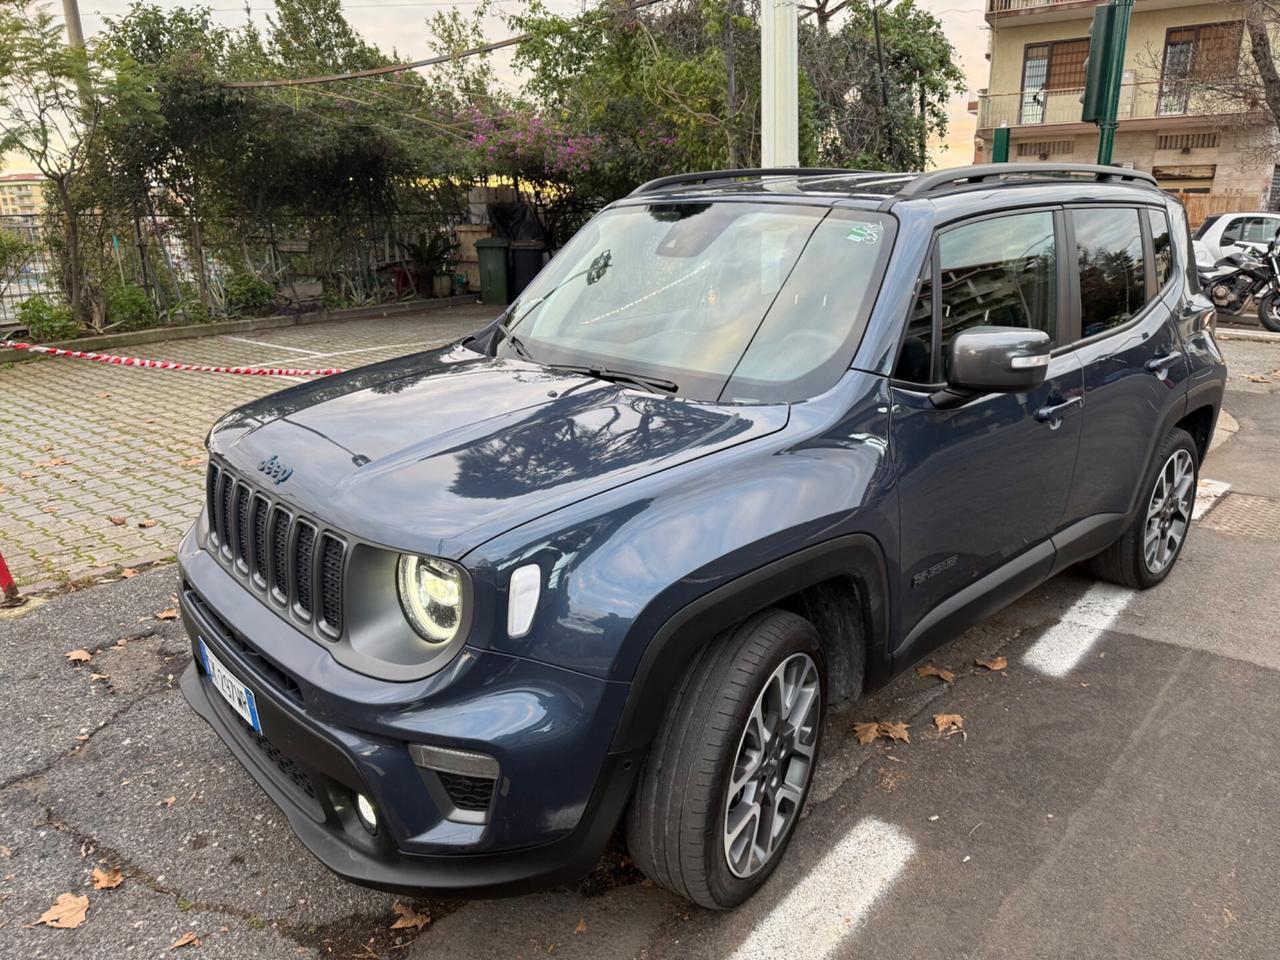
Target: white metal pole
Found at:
779, 84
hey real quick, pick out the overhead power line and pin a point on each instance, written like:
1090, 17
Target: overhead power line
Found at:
414, 65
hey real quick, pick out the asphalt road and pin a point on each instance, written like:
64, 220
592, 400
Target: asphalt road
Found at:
1113, 794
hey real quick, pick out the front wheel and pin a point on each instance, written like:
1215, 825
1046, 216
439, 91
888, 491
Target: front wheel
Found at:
1148, 549
1269, 311
724, 783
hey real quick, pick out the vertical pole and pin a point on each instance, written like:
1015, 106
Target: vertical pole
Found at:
779, 84
1115, 75
884, 83
1000, 145
71, 14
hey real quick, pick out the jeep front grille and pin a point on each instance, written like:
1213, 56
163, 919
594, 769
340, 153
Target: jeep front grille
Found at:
294, 561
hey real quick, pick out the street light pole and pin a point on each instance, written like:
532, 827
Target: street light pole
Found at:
779, 84
71, 14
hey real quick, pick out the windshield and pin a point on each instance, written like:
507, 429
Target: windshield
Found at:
729, 300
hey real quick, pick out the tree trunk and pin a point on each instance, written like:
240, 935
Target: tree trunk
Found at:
1263, 57
731, 85
197, 255
75, 273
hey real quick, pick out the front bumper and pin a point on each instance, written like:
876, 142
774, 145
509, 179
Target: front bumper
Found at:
328, 734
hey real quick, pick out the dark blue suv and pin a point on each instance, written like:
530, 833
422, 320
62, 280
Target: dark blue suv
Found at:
750, 445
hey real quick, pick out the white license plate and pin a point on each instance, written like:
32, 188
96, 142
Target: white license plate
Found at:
233, 691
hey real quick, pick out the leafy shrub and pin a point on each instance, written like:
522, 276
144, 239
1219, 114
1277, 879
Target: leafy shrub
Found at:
47, 321
190, 310
248, 294
129, 307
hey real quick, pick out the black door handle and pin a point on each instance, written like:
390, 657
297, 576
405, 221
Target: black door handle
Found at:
1053, 414
1160, 365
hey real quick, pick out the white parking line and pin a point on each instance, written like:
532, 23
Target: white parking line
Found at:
273, 346
1063, 645
1208, 492
833, 899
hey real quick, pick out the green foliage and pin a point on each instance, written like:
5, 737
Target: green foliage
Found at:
247, 293
46, 321
129, 307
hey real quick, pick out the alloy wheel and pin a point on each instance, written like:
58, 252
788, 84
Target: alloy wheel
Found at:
1169, 511
773, 765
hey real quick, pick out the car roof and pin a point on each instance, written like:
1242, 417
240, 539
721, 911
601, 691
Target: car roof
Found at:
954, 191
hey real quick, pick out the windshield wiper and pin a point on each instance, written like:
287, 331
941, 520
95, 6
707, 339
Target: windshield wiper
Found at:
652, 384
516, 343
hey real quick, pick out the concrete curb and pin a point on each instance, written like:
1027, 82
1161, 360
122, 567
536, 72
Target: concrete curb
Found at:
1248, 333
195, 331
1228, 426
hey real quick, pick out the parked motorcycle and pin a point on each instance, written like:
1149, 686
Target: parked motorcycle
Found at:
1243, 279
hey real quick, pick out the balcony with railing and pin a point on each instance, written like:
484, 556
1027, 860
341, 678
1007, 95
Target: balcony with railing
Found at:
1032, 11
1138, 101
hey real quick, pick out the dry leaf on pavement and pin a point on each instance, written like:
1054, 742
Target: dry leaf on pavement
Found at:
128, 572
582, 925
895, 731
187, 939
107, 879
168, 801
118, 521
53, 462
67, 912
866, 732
948, 722
929, 670
1257, 378
192, 462
79, 656
407, 917
168, 613
994, 664
147, 524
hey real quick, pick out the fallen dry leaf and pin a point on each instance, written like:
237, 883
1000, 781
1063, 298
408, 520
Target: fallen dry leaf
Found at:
147, 524
118, 521
107, 879
53, 462
946, 722
168, 801
98, 676
128, 573
187, 939
929, 670
79, 656
192, 462
27, 475
582, 925
408, 918
1257, 378
103, 396
168, 613
67, 912
82, 737
867, 732
994, 664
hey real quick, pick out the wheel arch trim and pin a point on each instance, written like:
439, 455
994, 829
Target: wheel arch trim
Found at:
674, 645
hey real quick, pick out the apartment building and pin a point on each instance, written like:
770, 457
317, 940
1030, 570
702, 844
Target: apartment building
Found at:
21, 194
1203, 151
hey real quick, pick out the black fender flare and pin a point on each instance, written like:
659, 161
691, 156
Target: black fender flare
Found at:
676, 642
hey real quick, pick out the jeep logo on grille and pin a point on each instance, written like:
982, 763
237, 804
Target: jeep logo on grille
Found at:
276, 470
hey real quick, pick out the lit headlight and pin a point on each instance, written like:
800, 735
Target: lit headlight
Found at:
431, 594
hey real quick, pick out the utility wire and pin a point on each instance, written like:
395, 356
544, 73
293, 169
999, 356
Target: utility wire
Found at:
401, 67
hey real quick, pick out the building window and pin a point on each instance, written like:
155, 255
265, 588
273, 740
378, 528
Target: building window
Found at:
1047, 68
1199, 53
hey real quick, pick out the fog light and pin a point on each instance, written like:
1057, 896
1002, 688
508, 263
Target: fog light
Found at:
367, 814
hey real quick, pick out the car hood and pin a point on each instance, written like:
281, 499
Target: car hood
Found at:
440, 451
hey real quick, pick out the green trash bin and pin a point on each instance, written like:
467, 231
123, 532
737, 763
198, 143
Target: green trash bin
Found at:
492, 252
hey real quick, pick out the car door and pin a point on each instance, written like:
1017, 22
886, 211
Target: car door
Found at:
983, 485
1122, 283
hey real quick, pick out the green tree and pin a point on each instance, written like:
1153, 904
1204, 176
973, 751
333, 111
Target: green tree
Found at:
56, 106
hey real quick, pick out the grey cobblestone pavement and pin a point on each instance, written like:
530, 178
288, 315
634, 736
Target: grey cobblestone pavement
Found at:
82, 443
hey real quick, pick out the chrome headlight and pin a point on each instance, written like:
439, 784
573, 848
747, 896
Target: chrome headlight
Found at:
432, 597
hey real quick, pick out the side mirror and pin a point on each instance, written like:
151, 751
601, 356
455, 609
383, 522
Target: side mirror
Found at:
998, 360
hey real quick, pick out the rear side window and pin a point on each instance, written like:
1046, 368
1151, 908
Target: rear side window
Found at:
1112, 278
1161, 246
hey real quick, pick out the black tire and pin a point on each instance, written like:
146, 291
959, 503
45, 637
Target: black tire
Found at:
1269, 311
676, 823
1125, 561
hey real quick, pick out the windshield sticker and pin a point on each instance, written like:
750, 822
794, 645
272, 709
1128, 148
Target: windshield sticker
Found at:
864, 233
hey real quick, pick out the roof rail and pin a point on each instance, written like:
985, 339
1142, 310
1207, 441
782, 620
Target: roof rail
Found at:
959, 176
707, 176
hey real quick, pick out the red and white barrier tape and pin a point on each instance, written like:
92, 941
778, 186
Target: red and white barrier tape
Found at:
173, 365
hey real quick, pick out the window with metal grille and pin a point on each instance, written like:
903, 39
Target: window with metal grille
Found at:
1036, 148
1050, 67
1203, 52
1186, 141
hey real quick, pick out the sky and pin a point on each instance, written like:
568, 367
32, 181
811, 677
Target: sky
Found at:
402, 25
